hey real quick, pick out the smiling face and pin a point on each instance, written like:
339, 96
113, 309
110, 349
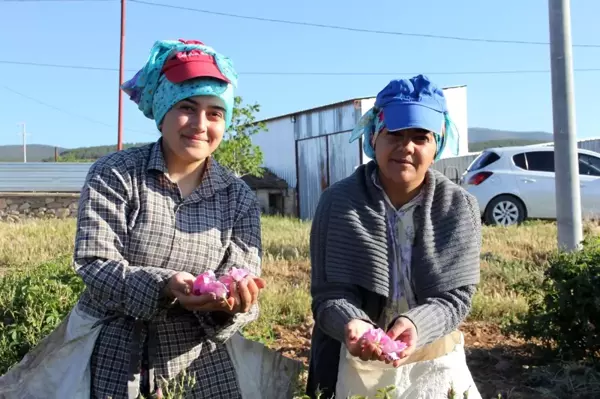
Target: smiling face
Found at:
193, 128
404, 156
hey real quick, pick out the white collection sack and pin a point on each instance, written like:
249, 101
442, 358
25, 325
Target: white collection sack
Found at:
428, 379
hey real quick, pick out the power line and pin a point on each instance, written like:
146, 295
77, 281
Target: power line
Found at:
54, 1
337, 73
38, 64
317, 25
351, 29
69, 112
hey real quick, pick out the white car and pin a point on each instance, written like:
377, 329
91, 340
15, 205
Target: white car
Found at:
515, 183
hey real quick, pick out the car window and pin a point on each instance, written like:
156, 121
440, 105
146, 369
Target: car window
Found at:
540, 161
486, 158
519, 160
589, 165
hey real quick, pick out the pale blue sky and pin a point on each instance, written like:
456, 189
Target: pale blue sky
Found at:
87, 34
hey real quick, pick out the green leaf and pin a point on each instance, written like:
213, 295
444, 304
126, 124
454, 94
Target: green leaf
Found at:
236, 152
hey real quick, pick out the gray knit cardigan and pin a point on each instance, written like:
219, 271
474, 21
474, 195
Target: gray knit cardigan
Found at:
350, 260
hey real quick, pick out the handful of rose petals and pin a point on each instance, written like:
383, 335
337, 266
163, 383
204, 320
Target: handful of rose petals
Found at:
390, 348
207, 282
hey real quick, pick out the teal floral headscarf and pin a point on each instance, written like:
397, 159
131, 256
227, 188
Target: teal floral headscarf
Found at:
155, 95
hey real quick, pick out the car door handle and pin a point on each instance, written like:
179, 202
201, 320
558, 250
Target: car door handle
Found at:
529, 180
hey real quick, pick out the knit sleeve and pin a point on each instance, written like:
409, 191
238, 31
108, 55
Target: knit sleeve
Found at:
333, 304
440, 315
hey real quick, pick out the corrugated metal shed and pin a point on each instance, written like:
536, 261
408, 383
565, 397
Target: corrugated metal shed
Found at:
310, 149
42, 176
313, 173
343, 156
325, 121
324, 155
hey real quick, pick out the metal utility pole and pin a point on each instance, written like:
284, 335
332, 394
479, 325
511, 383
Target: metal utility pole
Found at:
24, 136
568, 197
121, 77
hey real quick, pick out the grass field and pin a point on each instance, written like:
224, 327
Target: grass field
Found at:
500, 364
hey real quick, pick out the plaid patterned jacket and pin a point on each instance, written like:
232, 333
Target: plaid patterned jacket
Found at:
134, 231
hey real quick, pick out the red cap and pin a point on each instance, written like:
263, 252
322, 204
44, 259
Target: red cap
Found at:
192, 64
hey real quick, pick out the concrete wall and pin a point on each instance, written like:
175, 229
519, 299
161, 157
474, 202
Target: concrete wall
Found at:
290, 205
16, 206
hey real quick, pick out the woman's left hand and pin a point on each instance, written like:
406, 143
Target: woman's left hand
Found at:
244, 294
404, 330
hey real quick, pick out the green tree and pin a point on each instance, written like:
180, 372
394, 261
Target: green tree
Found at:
236, 152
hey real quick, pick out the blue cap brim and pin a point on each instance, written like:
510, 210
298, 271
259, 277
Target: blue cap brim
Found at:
412, 116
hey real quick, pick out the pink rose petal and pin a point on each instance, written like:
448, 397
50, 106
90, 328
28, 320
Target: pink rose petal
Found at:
226, 279
388, 346
206, 283
238, 274
234, 274
215, 287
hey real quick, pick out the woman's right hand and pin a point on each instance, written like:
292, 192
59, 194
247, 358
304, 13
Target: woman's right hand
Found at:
354, 332
180, 287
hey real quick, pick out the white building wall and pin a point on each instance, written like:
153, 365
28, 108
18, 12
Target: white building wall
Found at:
456, 98
279, 148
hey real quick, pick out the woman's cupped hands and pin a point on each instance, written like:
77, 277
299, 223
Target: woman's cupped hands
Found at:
364, 344
242, 294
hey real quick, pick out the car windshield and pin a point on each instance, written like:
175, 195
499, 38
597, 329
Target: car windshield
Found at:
486, 158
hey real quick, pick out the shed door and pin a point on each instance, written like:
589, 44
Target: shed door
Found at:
344, 156
312, 174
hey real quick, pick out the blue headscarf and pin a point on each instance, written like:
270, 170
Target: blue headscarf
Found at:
404, 104
155, 95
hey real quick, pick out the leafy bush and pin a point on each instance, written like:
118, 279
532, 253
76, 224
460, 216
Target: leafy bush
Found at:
32, 303
564, 310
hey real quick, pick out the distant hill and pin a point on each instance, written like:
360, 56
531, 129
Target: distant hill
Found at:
45, 153
90, 154
35, 152
480, 134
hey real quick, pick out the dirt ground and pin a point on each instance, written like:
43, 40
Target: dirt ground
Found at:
499, 365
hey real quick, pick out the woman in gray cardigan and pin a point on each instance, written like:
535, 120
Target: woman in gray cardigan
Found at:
395, 246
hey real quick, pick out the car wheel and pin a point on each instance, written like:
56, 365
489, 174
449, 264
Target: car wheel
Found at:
505, 210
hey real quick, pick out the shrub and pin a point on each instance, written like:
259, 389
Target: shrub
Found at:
564, 310
32, 303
